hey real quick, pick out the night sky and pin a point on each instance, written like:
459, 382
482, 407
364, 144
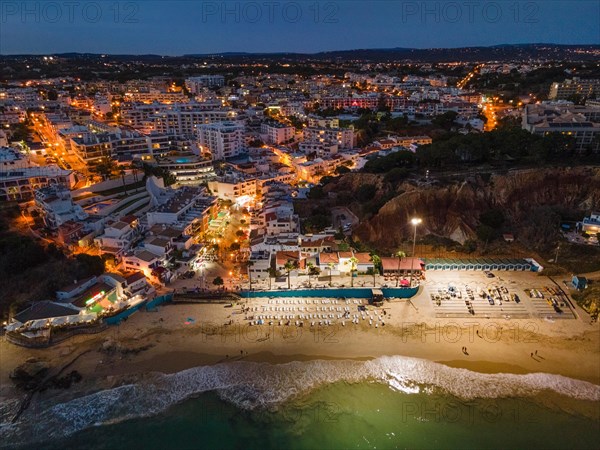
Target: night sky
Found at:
180, 27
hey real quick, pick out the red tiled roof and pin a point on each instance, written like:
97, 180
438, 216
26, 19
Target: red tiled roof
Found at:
345, 254
310, 244
391, 264
363, 258
326, 258
284, 256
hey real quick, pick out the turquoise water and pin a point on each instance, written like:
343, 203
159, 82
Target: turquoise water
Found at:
364, 416
387, 403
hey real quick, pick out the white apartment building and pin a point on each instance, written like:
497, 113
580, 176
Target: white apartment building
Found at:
260, 263
586, 88
233, 188
19, 179
319, 148
277, 133
91, 147
143, 261
323, 122
186, 122
580, 122
136, 114
117, 238
155, 95
223, 140
187, 169
56, 206
345, 138
186, 208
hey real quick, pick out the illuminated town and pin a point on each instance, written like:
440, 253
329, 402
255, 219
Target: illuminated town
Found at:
249, 219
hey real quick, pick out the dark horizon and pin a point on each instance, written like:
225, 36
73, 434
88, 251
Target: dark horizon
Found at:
274, 53
185, 27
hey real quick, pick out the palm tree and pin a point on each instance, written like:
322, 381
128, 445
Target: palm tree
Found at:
273, 272
288, 267
309, 266
105, 167
250, 264
134, 171
399, 254
313, 271
376, 263
330, 266
353, 265
122, 172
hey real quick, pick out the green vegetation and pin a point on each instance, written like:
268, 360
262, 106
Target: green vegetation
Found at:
341, 170
316, 192
400, 159
288, 268
316, 222
512, 144
20, 132
511, 85
575, 258
366, 192
446, 120
105, 168
396, 175
159, 172
589, 300
32, 272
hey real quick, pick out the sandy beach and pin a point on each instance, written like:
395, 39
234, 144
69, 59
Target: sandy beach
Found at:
181, 336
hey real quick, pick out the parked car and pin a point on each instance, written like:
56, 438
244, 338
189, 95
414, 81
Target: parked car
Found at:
489, 274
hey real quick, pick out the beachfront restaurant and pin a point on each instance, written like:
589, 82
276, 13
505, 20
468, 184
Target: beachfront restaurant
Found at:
393, 266
477, 264
35, 324
99, 298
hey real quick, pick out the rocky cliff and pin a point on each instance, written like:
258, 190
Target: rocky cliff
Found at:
453, 210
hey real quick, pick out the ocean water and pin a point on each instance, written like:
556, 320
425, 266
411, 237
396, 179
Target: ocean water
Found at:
386, 403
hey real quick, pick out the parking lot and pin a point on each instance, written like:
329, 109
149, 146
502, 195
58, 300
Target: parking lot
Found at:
514, 295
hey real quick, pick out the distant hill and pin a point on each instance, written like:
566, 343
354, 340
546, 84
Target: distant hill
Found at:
504, 52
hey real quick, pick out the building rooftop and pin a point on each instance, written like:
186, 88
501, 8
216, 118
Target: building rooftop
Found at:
145, 255
326, 258
158, 242
77, 285
133, 277
45, 310
391, 264
90, 293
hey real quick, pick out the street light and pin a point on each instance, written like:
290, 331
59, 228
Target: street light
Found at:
415, 221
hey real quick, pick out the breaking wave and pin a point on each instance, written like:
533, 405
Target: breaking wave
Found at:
250, 385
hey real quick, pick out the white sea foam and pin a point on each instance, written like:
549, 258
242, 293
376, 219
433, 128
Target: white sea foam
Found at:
250, 385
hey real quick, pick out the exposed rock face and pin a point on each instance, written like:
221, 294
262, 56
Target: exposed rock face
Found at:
453, 211
30, 372
352, 181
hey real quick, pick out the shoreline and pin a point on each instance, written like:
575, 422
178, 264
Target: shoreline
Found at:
161, 343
